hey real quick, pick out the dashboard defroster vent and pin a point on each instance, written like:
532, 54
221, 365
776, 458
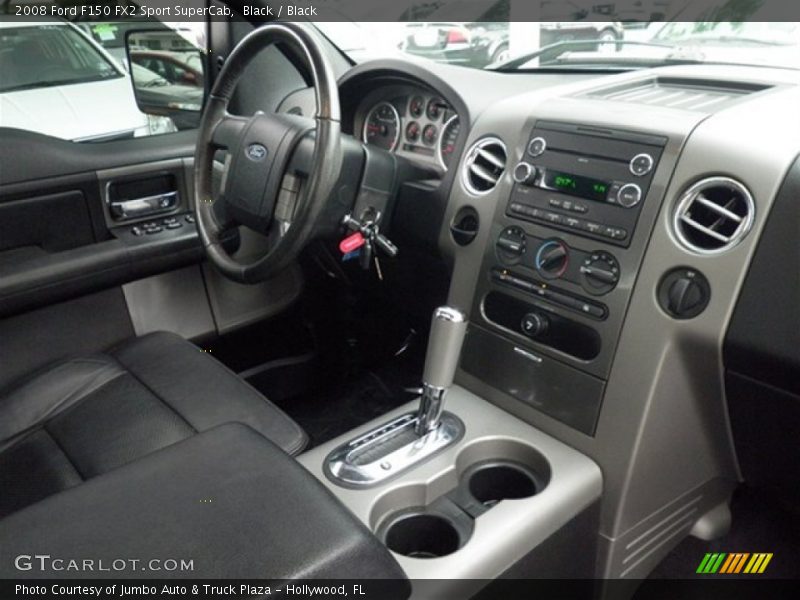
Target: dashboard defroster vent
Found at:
714, 215
484, 165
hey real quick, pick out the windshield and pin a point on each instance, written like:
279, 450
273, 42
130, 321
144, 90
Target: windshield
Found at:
40, 56
640, 37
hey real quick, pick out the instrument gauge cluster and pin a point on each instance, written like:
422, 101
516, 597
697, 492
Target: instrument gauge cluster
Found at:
413, 123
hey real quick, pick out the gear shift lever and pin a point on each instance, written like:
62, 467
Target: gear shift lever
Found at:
444, 349
406, 440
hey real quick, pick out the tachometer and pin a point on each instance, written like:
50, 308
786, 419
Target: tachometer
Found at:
447, 142
382, 127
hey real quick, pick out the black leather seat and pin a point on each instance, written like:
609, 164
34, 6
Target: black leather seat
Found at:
84, 417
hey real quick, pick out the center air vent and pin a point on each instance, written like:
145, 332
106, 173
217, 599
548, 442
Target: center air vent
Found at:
714, 215
485, 164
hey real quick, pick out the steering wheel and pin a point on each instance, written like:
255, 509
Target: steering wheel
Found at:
257, 189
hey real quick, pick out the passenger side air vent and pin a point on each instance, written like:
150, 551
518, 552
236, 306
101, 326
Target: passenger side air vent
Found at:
714, 215
484, 166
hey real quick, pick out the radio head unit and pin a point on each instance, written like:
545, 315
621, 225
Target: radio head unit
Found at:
590, 182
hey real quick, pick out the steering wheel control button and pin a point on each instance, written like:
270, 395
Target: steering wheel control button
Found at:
537, 146
534, 324
629, 195
641, 165
684, 293
552, 259
600, 273
511, 245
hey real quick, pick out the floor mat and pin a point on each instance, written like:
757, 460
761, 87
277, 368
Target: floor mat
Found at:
326, 414
760, 524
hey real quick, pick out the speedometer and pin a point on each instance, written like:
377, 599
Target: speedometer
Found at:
447, 142
382, 127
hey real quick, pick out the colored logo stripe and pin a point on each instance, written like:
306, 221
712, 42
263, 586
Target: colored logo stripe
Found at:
758, 563
734, 563
711, 563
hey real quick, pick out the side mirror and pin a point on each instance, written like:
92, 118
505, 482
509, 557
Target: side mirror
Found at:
168, 75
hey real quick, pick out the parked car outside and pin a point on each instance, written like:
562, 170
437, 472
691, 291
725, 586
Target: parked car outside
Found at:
478, 44
53, 75
175, 67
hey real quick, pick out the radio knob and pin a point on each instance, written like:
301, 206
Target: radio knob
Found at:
629, 195
641, 164
534, 324
552, 259
537, 146
600, 273
525, 173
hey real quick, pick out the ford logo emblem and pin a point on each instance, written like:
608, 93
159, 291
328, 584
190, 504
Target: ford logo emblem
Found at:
256, 152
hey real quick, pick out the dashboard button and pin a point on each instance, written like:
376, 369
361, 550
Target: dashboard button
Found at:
524, 173
580, 208
535, 324
641, 165
554, 218
537, 146
629, 195
592, 227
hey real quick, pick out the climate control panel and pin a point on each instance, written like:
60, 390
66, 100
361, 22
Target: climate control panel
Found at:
597, 272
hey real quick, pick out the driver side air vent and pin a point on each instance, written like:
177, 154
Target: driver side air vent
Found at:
484, 165
714, 215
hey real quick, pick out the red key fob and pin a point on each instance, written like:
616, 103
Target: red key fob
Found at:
351, 243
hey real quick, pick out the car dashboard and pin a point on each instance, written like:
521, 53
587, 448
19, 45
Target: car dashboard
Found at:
615, 220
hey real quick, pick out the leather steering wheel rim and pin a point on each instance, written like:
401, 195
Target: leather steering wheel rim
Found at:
325, 162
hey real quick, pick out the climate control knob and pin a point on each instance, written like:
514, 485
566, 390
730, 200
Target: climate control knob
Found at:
511, 245
599, 273
534, 324
552, 259
525, 173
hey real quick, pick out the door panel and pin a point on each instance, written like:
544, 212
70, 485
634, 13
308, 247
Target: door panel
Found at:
58, 236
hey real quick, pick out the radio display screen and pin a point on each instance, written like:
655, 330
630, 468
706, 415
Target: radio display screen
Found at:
576, 185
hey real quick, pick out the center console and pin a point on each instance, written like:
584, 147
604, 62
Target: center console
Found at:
557, 274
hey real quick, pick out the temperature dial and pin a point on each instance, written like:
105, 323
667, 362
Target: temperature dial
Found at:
511, 245
552, 259
599, 273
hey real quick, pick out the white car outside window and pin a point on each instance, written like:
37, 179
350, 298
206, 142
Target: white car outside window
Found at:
59, 82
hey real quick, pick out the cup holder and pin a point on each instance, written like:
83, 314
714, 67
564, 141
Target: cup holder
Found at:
434, 519
491, 482
421, 535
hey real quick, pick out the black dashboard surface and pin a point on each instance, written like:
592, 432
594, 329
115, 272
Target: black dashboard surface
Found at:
764, 334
